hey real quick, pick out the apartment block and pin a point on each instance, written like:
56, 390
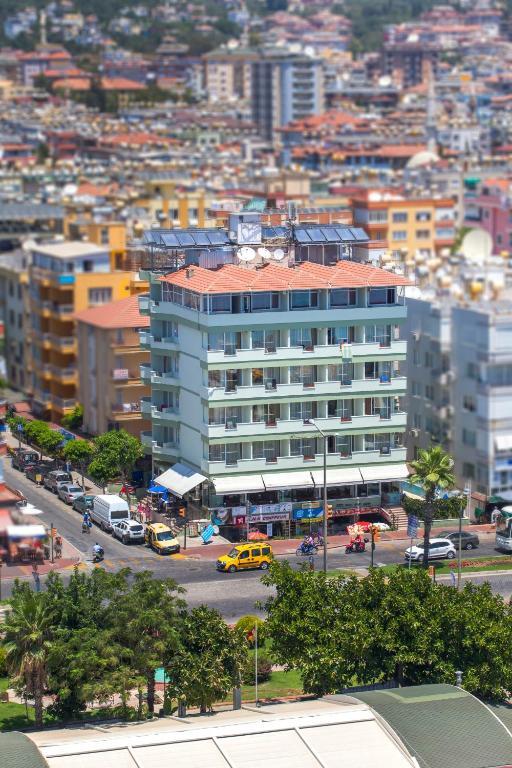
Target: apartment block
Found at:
65, 277
285, 87
460, 386
109, 360
245, 359
15, 302
423, 226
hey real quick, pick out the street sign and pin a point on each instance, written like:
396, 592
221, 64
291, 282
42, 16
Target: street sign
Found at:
412, 526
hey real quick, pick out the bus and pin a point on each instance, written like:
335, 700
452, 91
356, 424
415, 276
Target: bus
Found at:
504, 529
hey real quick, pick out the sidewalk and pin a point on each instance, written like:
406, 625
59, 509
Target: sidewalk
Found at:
288, 546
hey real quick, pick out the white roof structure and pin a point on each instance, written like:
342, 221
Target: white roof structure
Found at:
312, 734
180, 479
70, 249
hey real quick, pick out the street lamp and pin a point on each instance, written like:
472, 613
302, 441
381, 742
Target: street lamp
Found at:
324, 436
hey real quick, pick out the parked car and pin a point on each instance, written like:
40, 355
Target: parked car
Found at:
21, 459
52, 479
438, 548
468, 539
68, 492
108, 509
245, 556
37, 472
160, 538
128, 530
83, 503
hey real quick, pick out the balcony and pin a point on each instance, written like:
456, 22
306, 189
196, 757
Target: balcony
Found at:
166, 450
64, 374
168, 378
41, 338
281, 428
145, 339
43, 398
165, 413
63, 343
285, 463
63, 309
145, 373
333, 389
125, 411
317, 354
124, 376
146, 439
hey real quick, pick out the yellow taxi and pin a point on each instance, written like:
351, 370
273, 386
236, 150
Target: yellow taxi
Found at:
160, 538
245, 556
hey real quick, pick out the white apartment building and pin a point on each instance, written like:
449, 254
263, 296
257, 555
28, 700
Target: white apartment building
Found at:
244, 359
459, 374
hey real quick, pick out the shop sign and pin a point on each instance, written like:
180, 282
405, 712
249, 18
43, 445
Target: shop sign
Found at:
267, 510
273, 517
343, 513
308, 513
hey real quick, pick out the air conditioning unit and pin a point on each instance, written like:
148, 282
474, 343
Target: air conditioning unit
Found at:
415, 335
415, 432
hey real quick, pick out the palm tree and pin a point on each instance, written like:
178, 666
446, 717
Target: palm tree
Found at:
433, 470
27, 641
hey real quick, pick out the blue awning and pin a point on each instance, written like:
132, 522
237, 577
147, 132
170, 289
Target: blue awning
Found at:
155, 488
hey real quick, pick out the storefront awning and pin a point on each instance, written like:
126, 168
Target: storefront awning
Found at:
341, 476
179, 479
275, 481
503, 442
238, 484
26, 531
384, 472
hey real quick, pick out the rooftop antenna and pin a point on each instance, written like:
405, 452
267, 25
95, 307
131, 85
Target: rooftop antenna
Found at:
477, 246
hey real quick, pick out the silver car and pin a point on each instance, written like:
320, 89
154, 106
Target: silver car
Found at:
438, 548
128, 530
68, 492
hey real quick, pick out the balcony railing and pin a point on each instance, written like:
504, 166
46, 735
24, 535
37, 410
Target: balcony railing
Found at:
60, 402
63, 373
125, 407
62, 341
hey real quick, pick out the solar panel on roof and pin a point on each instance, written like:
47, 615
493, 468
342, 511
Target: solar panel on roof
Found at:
170, 240
185, 239
359, 234
201, 238
281, 231
268, 233
331, 234
302, 236
316, 235
218, 238
345, 234
149, 237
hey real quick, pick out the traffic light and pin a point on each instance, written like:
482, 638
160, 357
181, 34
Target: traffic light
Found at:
376, 533
329, 511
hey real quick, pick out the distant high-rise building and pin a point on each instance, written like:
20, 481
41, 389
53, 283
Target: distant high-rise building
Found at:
285, 86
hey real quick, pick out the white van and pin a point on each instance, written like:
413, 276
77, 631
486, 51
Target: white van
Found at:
108, 509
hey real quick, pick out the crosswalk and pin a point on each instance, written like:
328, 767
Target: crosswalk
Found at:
135, 563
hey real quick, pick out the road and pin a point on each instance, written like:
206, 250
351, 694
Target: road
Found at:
232, 594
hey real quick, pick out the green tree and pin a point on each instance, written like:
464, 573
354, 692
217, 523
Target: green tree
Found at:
50, 441
75, 419
209, 661
433, 471
27, 635
116, 454
79, 453
146, 620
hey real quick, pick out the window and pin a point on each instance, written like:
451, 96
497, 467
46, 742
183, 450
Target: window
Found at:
499, 375
341, 297
378, 296
264, 301
228, 342
266, 449
469, 437
268, 377
422, 234
429, 392
468, 470
472, 371
399, 234
417, 421
341, 334
343, 372
268, 340
302, 410
99, 296
220, 303
378, 334
303, 299
303, 446
342, 409
302, 337
87, 265
469, 403
400, 217
302, 374
267, 412
381, 216
104, 236
216, 378
423, 216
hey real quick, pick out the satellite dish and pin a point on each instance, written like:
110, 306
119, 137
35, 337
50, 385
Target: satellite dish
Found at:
309, 51
477, 246
279, 254
385, 81
29, 245
264, 253
246, 253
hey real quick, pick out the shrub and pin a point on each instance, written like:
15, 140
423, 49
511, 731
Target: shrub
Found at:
246, 624
3, 662
264, 670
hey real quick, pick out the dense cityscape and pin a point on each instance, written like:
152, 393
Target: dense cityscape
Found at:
256, 383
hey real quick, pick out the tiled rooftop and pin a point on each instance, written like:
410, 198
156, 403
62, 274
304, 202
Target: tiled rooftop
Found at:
117, 314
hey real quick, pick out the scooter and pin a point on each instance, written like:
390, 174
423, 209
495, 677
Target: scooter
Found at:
86, 527
355, 546
306, 549
98, 555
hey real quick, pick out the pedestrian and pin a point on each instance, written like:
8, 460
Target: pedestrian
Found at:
37, 578
58, 547
452, 576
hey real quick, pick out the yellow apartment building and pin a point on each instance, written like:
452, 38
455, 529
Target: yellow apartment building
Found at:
172, 208
412, 226
109, 358
104, 233
65, 277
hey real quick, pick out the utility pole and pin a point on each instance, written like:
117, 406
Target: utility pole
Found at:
467, 493
373, 546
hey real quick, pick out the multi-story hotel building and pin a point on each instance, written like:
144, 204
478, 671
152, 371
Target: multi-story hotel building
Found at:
245, 359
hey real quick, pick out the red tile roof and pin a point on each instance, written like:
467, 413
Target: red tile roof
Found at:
120, 84
118, 314
231, 278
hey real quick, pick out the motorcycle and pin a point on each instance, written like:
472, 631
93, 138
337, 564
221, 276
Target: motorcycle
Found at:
98, 555
86, 527
306, 549
355, 546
